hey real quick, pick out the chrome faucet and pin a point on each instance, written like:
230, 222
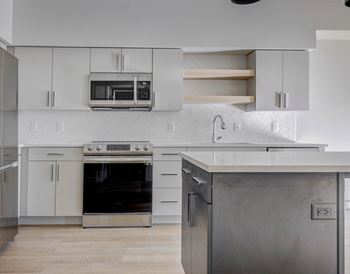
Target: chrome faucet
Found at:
223, 126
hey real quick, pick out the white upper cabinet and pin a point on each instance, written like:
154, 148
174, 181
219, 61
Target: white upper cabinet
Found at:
34, 77
296, 80
281, 82
136, 60
168, 79
106, 60
71, 68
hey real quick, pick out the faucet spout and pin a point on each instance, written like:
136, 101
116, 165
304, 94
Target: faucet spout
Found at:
223, 126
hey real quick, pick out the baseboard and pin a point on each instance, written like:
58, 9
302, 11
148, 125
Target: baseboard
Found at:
160, 219
26, 220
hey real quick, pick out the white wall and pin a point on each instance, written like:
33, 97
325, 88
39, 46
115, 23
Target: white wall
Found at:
6, 16
329, 118
180, 23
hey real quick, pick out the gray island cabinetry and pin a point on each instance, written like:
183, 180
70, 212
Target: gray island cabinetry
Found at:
266, 213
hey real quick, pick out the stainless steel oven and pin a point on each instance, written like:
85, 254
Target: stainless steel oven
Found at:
117, 184
120, 91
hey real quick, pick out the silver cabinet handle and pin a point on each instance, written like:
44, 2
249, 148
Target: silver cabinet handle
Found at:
199, 181
123, 61
285, 100
279, 99
169, 174
169, 202
52, 172
191, 209
53, 99
58, 173
170, 154
186, 170
135, 90
117, 57
55, 154
48, 99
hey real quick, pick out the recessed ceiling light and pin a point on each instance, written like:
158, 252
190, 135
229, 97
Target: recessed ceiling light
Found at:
246, 2
347, 3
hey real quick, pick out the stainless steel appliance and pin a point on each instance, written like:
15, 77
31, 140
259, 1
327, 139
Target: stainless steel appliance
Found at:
121, 91
8, 147
117, 184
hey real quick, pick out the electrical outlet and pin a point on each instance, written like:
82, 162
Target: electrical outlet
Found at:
60, 126
171, 126
275, 127
237, 126
34, 126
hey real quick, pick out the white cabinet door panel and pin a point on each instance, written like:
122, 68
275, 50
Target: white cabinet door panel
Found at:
106, 60
296, 80
69, 189
167, 174
168, 79
167, 202
71, 67
137, 60
41, 189
268, 79
34, 77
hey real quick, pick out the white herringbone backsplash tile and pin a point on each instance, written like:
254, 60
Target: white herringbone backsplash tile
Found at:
192, 124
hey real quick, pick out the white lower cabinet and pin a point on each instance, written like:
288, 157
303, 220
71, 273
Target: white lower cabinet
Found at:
167, 202
41, 188
55, 188
167, 174
69, 186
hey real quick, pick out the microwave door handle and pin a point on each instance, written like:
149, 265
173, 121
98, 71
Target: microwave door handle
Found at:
135, 90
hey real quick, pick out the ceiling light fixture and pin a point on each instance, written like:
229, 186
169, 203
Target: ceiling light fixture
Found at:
347, 3
247, 2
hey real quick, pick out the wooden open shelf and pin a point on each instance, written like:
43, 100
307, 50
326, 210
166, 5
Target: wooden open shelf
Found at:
218, 74
208, 99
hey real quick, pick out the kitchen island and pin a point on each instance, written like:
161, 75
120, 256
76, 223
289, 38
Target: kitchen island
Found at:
263, 212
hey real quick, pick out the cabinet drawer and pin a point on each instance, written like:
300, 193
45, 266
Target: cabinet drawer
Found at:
168, 153
167, 201
167, 174
201, 183
55, 154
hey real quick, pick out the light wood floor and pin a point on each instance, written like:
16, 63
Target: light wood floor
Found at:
75, 250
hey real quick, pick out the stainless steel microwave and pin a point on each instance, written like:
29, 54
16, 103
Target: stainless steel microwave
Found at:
120, 91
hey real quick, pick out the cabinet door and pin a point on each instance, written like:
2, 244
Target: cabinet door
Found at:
41, 188
10, 113
167, 79
10, 194
137, 60
186, 245
200, 231
69, 188
106, 60
268, 80
296, 80
71, 67
34, 78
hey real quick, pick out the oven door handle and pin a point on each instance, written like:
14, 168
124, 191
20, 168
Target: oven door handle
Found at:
96, 160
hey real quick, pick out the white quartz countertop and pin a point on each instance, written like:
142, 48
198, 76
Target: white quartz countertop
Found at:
51, 145
255, 162
279, 145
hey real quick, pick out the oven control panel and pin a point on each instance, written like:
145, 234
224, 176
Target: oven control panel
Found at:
118, 148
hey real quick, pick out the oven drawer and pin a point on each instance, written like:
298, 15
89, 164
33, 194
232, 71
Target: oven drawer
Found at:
167, 174
55, 154
167, 153
167, 202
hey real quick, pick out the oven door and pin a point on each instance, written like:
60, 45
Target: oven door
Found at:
117, 185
